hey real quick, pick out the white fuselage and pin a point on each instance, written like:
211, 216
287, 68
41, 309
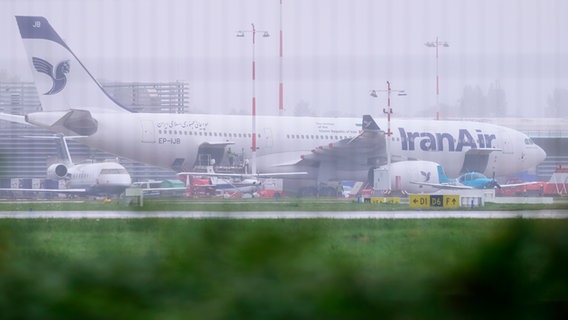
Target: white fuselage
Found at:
103, 177
167, 140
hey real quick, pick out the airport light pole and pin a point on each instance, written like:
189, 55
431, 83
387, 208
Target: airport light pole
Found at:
436, 44
281, 86
388, 112
388, 109
265, 34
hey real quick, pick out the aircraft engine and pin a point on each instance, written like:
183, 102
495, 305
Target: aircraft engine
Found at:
57, 171
405, 174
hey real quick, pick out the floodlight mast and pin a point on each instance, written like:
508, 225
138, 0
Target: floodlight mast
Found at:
436, 44
265, 34
388, 111
281, 86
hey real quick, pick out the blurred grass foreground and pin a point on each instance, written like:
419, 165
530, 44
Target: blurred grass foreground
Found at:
282, 269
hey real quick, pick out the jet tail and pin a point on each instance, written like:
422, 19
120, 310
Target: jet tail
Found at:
442, 177
62, 81
369, 123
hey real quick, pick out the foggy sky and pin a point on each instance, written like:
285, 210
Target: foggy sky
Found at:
335, 51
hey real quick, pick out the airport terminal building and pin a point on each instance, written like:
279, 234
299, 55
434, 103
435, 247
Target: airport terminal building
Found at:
27, 158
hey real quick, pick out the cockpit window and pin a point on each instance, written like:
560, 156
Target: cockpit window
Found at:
470, 177
528, 141
477, 175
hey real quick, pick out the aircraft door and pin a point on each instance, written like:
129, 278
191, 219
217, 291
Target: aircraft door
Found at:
507, 143
148, 133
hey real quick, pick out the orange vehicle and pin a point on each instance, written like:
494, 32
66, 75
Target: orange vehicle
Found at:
556, 186
199, 188
270, 193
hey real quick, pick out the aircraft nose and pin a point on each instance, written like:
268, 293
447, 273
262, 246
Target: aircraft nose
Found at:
540, 154
535, 153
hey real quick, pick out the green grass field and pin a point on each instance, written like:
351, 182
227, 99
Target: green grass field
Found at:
299, 269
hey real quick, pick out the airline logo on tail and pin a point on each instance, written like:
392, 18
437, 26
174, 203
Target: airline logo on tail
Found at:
64, 81
369, 123
59, 79
426, 175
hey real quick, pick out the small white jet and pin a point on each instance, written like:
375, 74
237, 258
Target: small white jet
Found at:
327, 149
90, 178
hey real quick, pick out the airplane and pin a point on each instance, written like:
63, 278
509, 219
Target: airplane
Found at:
90, 178
327, 149
428, 177
224, 182
468, 180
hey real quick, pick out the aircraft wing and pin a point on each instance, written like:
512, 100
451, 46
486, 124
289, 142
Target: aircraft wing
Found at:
240, 175
13, 118
363, 149
444, 186
520, 184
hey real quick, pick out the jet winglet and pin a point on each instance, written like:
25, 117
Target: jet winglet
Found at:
369, 123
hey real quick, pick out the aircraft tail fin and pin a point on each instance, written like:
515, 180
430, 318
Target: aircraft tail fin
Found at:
369, 123
442, 177
62, 81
